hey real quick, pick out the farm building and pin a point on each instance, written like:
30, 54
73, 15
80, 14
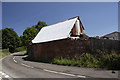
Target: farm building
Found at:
113, 36
59, 39
71, 28
67, 38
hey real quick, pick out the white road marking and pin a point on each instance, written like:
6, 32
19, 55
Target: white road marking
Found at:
56, 72
64, 73
50, 71
27, 65
81, 76
14, 59
67, 74
5, 75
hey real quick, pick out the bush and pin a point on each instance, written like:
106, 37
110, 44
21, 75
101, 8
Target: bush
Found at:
20, 49
11, 49
107, 61
110, 61
87, 60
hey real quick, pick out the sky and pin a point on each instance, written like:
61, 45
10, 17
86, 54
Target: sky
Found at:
119, 16
98, 18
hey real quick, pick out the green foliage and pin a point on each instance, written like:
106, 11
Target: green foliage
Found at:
11, 49
108, 61
40, 25
4, 52
10, 39
86, 60
20, 49
28, 35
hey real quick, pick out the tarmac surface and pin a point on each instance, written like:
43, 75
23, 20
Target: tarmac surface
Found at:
15, 67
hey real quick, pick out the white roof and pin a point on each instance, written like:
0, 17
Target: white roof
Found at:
55, 32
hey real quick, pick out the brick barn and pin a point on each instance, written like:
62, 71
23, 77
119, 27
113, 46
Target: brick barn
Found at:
60, 39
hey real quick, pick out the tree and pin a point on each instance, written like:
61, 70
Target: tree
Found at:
28, 35
40, 25
11, 48
10, 39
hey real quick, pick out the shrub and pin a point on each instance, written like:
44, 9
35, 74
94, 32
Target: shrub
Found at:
11, 49
107, 61
110, 61
18, 49
62, 61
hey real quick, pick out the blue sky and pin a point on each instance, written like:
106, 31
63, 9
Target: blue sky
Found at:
98, 18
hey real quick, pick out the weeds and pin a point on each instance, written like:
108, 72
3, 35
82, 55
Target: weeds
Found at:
4, 52
18, 49
107, 61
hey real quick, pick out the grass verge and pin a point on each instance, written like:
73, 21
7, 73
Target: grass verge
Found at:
106, 61
4, 52
19, 49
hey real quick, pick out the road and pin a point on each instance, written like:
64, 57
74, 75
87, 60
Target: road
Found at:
14, 66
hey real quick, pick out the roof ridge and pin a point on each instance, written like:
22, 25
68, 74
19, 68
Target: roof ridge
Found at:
63, 21
110, 33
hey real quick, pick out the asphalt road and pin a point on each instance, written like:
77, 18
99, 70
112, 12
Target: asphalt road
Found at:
14, 66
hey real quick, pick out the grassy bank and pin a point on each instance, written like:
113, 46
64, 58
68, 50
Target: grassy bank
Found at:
19, 49
4, 52
106, 61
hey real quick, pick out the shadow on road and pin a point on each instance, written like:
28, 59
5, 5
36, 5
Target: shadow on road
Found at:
41, 59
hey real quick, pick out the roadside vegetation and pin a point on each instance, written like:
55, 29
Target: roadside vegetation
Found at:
4, 52
11, 42
105, 61
19, 49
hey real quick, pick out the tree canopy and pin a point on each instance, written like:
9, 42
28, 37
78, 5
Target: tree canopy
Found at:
40, 25
30, 33
10, 38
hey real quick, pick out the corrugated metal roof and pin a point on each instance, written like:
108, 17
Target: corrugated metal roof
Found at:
55, 32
